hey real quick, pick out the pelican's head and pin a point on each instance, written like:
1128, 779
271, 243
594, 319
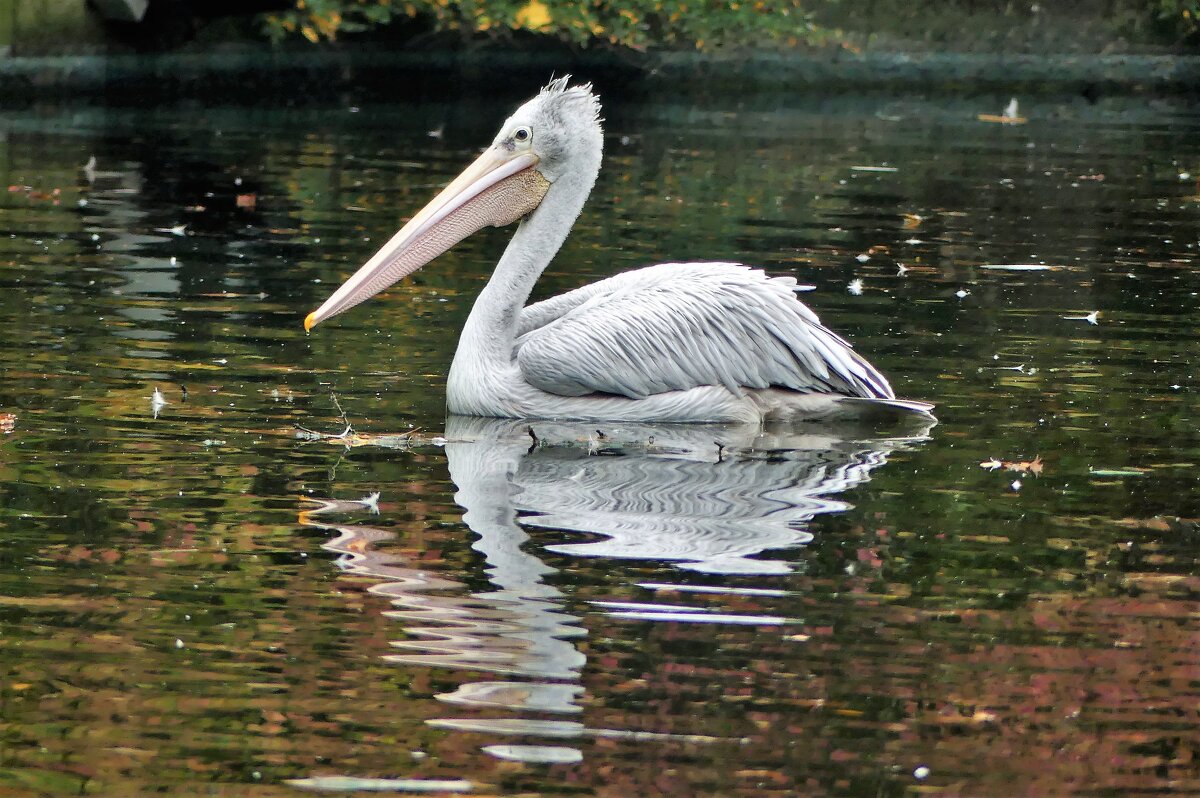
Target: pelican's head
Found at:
554, 136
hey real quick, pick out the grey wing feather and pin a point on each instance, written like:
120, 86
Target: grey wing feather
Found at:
542, 313
678, 326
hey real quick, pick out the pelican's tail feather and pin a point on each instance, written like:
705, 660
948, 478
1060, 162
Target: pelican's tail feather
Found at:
885, 409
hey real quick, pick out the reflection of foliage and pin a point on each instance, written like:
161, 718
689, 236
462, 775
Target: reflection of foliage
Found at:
1055, 624
630, 23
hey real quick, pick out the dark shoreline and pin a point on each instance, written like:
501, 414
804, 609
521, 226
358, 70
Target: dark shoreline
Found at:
254, 72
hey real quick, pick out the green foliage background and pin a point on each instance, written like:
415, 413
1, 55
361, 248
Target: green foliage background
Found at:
703, 24
1183, 14
636, 24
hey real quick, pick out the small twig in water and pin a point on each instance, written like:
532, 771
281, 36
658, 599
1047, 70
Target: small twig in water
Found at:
341, 412
326, 436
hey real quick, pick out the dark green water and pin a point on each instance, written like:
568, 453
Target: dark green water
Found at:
194, 601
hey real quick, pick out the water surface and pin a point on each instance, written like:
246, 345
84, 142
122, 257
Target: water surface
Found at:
201, 593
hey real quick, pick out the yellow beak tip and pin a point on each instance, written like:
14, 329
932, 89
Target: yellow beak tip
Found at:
310, 320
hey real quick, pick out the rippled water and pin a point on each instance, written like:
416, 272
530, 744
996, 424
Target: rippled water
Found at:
202, 593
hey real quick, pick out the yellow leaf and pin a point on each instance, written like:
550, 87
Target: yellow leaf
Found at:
534, 16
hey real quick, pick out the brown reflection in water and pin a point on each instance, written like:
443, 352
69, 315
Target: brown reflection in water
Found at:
510, 632
710, 499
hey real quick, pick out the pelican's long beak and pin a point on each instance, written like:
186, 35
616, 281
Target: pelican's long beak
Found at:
499, 188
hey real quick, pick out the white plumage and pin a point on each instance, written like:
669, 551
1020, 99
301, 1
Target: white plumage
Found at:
688, 342
677, 326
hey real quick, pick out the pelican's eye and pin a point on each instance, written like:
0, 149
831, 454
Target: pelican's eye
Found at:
522, 134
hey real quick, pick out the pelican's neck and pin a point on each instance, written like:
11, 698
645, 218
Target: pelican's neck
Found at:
491, 329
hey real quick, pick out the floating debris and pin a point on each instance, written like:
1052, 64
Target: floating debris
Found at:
351, 439
1010, 116
157, 402
855, 287
1018, 267
873, 169
1034, 466
371, 502
8, 422
1091, 318
962, 293
55, 195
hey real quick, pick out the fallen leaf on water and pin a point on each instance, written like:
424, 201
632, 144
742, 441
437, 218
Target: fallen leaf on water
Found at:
247, 201
8, 422
1034, 466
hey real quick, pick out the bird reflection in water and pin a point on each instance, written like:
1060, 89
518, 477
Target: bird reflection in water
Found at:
710, 499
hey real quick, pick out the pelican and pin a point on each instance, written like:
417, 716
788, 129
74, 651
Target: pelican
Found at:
677, 342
